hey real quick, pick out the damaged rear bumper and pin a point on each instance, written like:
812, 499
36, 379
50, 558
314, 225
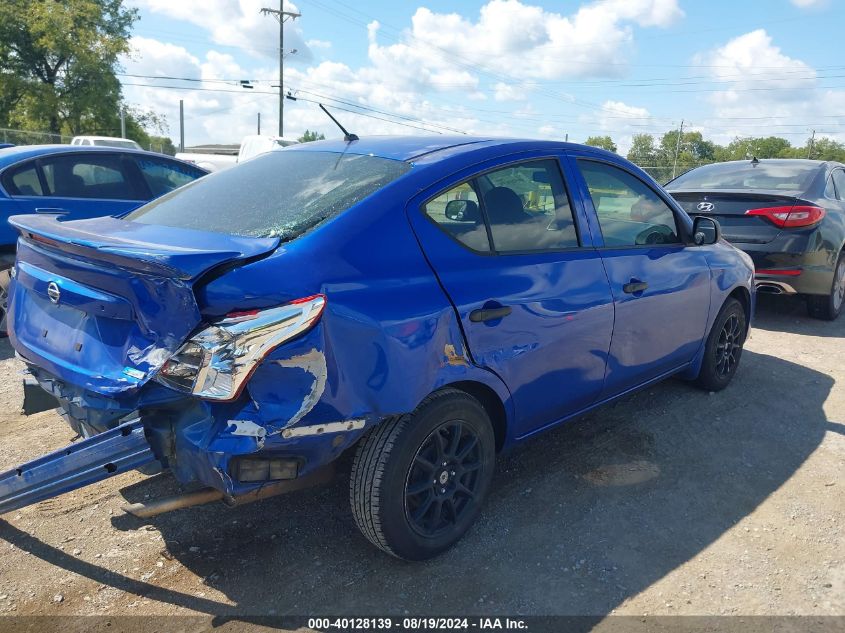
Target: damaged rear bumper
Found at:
118, 450
227, 447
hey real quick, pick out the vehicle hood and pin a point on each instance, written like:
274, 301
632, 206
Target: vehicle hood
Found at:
103, 303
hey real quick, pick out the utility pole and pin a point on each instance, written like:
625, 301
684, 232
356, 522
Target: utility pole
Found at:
259, 124
677, 149
281, 15
181, 125
812, 142
122, 122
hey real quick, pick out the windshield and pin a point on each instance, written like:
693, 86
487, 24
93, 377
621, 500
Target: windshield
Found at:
278, 194
788, 176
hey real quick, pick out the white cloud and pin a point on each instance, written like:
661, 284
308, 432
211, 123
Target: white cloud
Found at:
438, 70
237, 23
619, 120
215, 111
809, 4
766, 91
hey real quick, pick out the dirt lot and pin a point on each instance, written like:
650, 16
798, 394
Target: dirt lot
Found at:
672, 501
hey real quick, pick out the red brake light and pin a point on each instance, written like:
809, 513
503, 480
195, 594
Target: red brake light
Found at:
790, 217
787, 272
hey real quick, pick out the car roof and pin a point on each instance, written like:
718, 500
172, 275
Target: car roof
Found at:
413, 148
12, 155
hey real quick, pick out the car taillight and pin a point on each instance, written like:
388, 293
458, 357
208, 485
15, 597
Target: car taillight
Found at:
790, 217
216, 362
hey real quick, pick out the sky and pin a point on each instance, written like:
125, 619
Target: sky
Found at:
518, 68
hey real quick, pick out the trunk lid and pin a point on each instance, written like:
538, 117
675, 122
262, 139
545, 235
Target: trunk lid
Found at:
102, 303
729, 207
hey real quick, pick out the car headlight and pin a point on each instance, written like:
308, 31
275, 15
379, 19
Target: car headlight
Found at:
217, 361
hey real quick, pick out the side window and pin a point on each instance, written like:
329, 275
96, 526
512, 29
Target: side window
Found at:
162, 176
528, 208
630, 213
829, 189
457, 212
88, 176
839, 181
23, 181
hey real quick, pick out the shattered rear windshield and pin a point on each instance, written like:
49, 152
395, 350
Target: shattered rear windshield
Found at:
278, 194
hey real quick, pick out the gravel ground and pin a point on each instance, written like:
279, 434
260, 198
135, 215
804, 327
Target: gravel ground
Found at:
672, 501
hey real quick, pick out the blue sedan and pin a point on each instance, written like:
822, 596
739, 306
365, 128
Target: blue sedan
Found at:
78, 182
418, 303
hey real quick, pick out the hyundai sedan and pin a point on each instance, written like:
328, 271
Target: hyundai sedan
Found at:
788, 215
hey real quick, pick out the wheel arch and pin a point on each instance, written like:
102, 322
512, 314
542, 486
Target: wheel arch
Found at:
492, 403
742, 294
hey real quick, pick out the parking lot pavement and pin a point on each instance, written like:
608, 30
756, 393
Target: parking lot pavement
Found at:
673, 501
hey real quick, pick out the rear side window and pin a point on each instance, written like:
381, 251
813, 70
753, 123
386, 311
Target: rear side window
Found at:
630, 213
23, 181
277, 194
87, 176
458, 212
163, 176
839, 181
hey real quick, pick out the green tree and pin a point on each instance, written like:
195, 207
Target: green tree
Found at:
823, 149
762, 147
642, 152
58, 61
604, 142
309, 136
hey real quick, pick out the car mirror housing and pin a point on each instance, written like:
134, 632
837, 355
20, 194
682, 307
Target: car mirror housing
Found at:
706, 231
463, 211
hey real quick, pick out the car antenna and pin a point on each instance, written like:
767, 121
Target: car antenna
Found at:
346, 135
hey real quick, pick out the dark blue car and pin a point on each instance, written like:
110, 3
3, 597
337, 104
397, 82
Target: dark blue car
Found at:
77, 183
421, 303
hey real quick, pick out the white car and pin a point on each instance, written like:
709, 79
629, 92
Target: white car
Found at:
105, 141
256, 144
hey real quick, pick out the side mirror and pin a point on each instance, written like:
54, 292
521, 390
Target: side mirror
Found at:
463, 211
705, 231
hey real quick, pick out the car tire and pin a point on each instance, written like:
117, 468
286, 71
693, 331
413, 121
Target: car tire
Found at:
723, 348
829, 307
5, 280
419, 480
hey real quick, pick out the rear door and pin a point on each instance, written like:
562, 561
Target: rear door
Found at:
85, 185
516, 259
660, 285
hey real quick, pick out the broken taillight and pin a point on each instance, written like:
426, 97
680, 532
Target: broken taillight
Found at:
216, 362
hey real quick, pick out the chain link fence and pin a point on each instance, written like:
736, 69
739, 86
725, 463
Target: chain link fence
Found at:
24, 137
663, 173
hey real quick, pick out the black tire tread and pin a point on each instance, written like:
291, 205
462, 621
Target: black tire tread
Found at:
703, 380
821, 306
369, 464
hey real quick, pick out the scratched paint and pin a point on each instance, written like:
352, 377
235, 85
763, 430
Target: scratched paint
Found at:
314, 363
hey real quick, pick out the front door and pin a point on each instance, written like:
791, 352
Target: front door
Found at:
660, 284
531, 293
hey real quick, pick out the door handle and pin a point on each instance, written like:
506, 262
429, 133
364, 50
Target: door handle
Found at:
634, 287
489, 314
52, 211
